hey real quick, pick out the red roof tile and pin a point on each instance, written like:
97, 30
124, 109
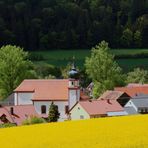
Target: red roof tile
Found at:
21, 113
133, 91
45, 89
97, 107
112, 95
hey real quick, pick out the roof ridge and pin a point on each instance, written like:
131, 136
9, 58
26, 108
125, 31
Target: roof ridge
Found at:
46, 79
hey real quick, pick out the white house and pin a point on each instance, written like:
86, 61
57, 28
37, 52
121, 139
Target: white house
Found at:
62, 92
137, 105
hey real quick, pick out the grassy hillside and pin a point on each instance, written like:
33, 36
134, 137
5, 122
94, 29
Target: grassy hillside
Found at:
114, 132
62, 57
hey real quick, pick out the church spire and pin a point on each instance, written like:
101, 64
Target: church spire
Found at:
73, 73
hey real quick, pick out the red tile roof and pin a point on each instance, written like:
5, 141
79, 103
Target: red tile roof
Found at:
21, 113
136, 85
98, 107
133, 91
83, 96
45, 89
112, 95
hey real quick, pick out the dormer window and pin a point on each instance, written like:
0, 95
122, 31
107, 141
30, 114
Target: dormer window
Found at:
43, 109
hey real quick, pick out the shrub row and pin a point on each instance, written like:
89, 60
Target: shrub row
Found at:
129, 56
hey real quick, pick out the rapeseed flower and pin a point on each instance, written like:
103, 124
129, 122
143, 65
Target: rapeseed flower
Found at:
113, 132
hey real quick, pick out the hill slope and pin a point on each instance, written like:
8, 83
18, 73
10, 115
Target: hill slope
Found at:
116, 132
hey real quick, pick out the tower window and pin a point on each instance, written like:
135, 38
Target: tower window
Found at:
43, 109
72, 83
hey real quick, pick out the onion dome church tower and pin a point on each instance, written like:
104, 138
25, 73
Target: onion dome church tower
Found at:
74, 89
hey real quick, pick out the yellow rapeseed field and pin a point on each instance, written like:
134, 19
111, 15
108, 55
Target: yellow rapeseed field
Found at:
113, 132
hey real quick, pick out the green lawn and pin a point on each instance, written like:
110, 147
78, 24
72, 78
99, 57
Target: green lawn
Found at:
63, 57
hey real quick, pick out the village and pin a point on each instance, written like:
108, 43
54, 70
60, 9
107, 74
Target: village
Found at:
33, 97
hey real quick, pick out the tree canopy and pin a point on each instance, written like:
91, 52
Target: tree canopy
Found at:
53, 24
102, 69
137, 76
14, 67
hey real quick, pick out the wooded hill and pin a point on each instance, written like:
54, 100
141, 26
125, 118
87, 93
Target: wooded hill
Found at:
54, 24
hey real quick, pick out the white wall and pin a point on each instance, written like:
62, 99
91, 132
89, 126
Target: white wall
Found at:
131, 104
23, 98
78, 111
74, 97
61, 107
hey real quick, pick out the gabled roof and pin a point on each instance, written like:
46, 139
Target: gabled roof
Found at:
111, 95
21, 113
98, 107
133, 91
45, 89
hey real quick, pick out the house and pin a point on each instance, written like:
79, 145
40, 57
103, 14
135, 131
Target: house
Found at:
16, 114
137, 105
134, 90
96, 108
121, 97
64, 93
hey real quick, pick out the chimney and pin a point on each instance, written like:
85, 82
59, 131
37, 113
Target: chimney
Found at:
108, 101
90, 100
11, 110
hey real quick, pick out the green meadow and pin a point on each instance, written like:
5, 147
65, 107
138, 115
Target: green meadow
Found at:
63, 57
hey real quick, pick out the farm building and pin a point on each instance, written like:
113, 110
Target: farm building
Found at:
138, 104
95, 109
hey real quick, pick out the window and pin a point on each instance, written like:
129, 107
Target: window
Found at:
43, 109
81, 117
66, 109
72, 83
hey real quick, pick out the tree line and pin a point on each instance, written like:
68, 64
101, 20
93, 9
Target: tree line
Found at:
54, 24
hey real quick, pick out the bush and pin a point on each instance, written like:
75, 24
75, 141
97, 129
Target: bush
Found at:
7, 125
33, 120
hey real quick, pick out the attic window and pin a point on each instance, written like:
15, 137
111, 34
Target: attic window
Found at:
43, 109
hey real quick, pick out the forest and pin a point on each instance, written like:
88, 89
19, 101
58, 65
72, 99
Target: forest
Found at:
73, 24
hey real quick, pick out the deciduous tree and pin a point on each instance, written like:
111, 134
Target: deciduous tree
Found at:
102, 69
137, 76
14, 67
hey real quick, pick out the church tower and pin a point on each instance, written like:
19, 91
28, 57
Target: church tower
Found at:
74, 88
